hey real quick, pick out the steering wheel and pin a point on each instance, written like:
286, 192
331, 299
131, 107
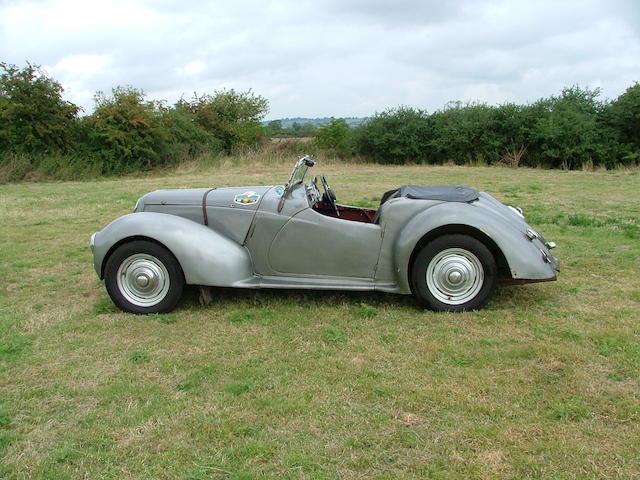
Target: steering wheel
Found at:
328, 197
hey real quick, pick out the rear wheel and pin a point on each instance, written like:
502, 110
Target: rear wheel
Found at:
143, 277
453, 273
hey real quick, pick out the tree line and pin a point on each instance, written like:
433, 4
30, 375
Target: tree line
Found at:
42, 132
572, 130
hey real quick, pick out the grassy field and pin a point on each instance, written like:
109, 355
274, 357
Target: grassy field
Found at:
542, 383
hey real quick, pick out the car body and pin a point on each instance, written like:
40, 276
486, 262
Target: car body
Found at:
448, 245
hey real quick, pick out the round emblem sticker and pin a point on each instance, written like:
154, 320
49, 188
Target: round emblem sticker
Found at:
279, 191
246, 198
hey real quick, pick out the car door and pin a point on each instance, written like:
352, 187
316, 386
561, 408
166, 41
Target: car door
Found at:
310, 243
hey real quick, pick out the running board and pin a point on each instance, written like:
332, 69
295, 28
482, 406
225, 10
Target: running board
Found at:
317, 283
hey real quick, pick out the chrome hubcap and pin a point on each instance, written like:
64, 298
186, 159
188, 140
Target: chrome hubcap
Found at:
454, 276
143, 280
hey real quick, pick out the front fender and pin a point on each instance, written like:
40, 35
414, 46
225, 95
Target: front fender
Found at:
206, 257
524, 257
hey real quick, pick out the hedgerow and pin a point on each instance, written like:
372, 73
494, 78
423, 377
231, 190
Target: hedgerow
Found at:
44, 136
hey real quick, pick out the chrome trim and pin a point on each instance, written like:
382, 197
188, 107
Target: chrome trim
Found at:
531, 234
92, 242
454, 276
517, 210
545, 256
143, 280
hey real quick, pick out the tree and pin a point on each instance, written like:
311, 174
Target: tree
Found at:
397, 135
275, 127
510, 133
34, 119
183, 136
566, 131
123, 132
336, 136
232, 117
307, 129
624, 116
463, 132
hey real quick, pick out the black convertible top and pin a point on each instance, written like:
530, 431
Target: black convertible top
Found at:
445, 193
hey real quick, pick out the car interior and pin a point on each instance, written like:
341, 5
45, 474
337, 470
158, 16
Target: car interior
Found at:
325, 204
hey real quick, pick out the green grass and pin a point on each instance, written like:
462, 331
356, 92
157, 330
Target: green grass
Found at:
542, 383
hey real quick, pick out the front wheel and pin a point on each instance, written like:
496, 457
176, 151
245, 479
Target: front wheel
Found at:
143, 277
453, 273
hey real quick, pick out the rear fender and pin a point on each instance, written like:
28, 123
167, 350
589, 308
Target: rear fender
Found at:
524, 257
206, 256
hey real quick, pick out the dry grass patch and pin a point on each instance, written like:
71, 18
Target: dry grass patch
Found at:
541, 384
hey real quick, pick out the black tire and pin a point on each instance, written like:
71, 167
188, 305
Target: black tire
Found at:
143, 277
453, 273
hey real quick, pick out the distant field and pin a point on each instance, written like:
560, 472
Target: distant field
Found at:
542, 383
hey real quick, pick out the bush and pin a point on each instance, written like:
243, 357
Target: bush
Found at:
569, 131
336, 137
510, 134
128, 133
300, 130
233, 118
41, 135
566, 130
397, 135
464, 133
623, 117
274, 127
123, 134
34, 119
14, 167
182, 137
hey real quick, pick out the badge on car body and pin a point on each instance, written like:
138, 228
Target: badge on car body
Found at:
246, 198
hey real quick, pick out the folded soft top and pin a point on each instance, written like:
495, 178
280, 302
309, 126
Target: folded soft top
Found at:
445, 193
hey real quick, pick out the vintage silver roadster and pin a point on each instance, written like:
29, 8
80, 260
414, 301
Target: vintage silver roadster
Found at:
447, 245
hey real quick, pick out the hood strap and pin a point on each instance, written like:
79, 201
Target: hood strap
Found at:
205, 218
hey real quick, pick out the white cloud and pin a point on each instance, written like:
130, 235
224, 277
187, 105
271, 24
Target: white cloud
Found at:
340, 57
75, 73
80, 66
191, 68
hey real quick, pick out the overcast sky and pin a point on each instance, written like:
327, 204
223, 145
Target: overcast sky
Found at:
329, 58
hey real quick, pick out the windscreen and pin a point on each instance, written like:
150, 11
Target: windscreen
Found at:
298, 173
301, 171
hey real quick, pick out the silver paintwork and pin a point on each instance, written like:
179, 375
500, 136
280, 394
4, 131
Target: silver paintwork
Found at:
485, 215
143, 280
454, 276
206, 256
229, 218
326, 247
261, 246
